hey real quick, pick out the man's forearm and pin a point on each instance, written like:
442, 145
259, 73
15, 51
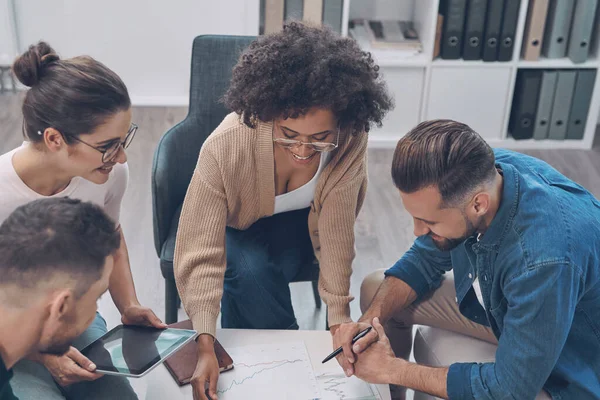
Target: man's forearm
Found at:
421, 378
121, 285
392, 296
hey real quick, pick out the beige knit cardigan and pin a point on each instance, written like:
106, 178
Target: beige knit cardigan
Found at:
234, 185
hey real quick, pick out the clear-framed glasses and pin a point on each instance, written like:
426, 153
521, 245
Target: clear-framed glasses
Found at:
321, 147
111, 151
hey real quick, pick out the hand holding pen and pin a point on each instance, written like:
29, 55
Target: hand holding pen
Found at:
349, 340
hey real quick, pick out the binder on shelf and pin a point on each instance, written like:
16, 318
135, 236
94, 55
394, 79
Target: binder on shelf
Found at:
474, 26
273, 15
313, 11
582, 96
544, 106
261, 17
294, 9
534, 29
510, 18
558, 24
438, 36
581, 30
332, 14
563, 97
493, 27
522, 116
454, 19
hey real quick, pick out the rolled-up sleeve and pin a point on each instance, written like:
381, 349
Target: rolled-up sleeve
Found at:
422, 266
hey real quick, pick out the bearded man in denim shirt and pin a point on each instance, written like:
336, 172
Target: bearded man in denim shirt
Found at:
523, 242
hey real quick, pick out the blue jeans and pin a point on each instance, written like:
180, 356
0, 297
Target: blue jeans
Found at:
32, 381
261, 262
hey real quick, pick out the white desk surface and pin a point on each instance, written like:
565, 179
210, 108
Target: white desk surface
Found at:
159, 384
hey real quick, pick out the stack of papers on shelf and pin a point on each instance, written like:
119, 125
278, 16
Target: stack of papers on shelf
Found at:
385, 35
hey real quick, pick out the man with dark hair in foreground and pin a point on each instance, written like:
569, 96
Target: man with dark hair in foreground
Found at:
56, 256
523, 242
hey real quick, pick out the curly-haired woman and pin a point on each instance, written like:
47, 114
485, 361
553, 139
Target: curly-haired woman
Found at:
280, 181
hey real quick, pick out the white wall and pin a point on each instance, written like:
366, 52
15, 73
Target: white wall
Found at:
8, 49
147, 42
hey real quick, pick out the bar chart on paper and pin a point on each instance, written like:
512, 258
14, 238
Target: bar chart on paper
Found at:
280, 371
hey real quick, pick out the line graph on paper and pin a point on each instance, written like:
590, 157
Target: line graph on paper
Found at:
275, 371
339, 387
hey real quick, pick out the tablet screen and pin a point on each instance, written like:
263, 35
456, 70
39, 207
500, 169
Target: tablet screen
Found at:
133, 350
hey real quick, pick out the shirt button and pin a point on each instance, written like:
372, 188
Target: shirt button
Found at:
470, 275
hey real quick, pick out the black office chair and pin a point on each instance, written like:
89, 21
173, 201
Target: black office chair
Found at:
213, 58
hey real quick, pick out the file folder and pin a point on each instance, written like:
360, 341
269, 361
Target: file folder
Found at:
581, 30
332, 14
454, 18
525, 101
558, 24
493, 27
509, 27
563, 97
438, 36
584, 88
534, 29
294, 9
474, 26
313, 11
273, 15
544, 106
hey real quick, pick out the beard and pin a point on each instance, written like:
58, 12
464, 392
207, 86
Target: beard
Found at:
57, 347
60, 342
448, 244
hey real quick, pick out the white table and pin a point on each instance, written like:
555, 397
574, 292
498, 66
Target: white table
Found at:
159, 384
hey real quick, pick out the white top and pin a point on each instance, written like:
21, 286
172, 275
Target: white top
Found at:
477, 290
476, 286
300, 198
15, 193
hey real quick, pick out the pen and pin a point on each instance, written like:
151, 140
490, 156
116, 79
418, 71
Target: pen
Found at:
360, 335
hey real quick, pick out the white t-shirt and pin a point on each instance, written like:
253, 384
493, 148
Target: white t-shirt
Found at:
301, 197
476, 286
477, 290
15, 193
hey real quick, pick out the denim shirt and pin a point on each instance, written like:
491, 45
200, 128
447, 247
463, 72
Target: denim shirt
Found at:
539, 270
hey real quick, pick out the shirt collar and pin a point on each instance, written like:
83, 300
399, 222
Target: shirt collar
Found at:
508, 207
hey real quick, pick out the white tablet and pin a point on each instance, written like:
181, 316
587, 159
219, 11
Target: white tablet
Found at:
133, 350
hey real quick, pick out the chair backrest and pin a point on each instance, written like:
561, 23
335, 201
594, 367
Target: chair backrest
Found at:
213, 58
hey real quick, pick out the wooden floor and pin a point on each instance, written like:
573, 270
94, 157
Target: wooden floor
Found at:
383, 230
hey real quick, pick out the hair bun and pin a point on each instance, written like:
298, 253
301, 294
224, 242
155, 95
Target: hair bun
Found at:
29, 67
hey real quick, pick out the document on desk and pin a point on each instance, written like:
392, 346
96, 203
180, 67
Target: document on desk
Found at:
284, 371
273, 371
338, 386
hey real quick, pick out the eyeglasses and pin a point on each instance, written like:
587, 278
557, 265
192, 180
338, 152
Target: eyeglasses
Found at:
109, 153
322, 147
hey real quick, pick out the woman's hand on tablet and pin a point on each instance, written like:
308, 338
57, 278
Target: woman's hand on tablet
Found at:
206, 375
141, 316
72, 367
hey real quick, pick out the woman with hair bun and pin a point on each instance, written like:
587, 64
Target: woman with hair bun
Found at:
77, 125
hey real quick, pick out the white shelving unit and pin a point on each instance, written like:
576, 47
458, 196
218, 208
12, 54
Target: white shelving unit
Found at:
474, 92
